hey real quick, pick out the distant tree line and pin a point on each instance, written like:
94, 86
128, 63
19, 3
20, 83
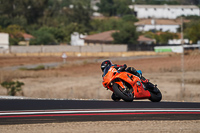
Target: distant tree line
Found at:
53, 21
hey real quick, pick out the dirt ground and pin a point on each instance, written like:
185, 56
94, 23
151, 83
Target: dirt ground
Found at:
107, 127
83, 81
25, 60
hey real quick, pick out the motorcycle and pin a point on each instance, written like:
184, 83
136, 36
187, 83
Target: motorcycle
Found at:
128, 87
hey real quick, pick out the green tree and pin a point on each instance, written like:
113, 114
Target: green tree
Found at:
114, 7
15, 33
126, 35
56, 14
106, 7
101, 25
5, 21
129, 18
12, 87
57, 32
42, 36
80, 15
192, 31
192, 17
162, 37
31, 10
121, 7
188, 2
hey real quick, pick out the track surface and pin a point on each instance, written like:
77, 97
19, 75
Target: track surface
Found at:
20, 111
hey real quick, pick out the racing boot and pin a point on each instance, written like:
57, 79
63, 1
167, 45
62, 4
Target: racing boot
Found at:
135, 72
144, 80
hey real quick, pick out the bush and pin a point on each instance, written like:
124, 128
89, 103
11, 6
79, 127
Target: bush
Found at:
40, 67
42, 36
12, 87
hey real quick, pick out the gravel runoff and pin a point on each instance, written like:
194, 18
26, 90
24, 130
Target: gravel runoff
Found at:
185, 126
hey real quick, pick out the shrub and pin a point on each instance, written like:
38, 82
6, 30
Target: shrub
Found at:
12, 87
40, 67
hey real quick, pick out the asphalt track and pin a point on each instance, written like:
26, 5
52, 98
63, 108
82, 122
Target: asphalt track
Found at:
24, 111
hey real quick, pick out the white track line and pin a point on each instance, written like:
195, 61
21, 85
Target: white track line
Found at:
93, 111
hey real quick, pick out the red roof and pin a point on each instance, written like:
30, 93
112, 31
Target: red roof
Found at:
27, 36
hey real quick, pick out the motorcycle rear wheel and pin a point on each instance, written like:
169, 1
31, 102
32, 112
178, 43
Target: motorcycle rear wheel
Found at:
120, 92
156, 95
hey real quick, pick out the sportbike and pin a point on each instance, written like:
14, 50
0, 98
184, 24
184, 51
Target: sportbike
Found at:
128, 87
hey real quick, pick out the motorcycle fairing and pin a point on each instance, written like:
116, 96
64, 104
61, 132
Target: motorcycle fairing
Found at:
111, 74
139, 92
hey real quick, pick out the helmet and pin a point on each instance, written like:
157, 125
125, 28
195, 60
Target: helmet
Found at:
105, 64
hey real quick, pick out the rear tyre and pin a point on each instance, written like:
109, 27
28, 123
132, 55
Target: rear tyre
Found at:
156, 95
122, 93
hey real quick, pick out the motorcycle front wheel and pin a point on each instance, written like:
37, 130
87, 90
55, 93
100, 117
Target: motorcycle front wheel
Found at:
122, 93
115, 97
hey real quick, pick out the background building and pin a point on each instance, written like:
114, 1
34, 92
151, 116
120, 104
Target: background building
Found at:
77, 39
158, 25
164, 11
4, 42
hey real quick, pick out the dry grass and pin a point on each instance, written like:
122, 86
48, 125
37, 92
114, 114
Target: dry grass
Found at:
83, 80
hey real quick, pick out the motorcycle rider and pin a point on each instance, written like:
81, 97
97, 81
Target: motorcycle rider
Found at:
121, 68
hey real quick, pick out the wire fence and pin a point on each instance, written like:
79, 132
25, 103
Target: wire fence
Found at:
190, 75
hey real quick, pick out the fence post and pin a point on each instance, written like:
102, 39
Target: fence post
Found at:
182, 62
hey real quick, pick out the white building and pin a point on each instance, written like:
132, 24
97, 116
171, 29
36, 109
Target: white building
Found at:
158, 25
77, 39
4, 42
164, 11
178, 41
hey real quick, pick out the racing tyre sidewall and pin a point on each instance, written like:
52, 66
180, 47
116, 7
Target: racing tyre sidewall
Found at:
115, 98
122, 95
155, 97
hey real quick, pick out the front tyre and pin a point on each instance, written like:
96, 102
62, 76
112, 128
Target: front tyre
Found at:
115, 97
122, 93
